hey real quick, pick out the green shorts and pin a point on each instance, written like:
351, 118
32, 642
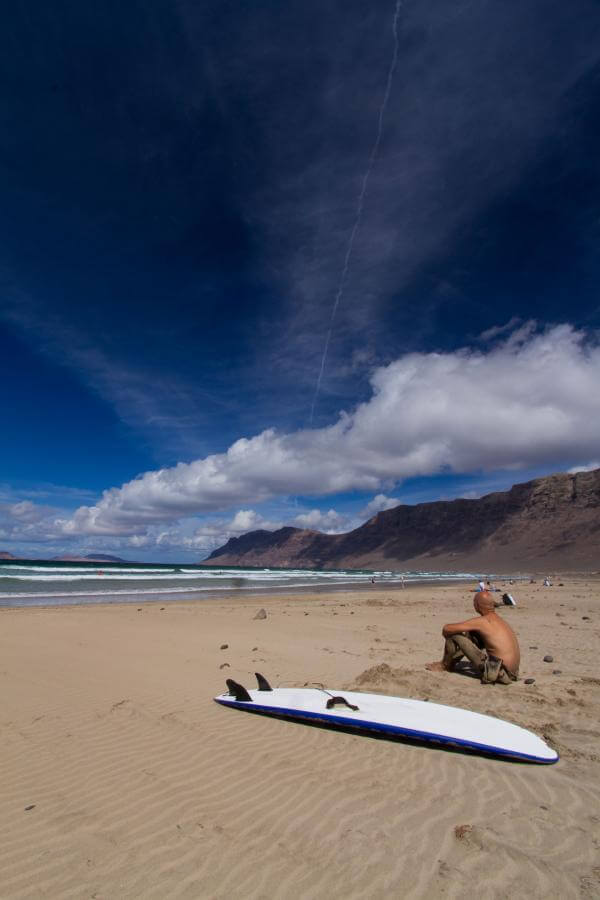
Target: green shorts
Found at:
490, 668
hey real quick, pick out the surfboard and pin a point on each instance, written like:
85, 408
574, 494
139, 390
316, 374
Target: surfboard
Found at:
412, 720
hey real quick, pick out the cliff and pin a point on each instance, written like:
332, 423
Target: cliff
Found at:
548, 523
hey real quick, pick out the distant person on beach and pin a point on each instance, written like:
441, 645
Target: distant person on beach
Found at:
489, 643
481, 586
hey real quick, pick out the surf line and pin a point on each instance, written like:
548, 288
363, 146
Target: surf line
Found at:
359, 206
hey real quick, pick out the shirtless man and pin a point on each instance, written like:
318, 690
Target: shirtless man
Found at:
500, 657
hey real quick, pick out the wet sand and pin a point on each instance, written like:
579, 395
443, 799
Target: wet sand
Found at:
120, 777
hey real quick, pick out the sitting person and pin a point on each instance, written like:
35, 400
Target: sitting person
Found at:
489, 644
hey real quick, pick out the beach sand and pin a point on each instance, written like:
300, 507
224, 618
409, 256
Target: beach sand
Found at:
120, 777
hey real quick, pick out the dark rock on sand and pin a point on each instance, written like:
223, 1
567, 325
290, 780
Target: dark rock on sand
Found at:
548, 658
261, 614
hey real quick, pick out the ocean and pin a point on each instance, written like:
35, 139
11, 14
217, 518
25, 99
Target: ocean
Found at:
40, 583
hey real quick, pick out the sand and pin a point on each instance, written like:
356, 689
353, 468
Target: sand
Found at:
120, 777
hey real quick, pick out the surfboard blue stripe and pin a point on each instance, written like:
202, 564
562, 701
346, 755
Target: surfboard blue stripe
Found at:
365, 725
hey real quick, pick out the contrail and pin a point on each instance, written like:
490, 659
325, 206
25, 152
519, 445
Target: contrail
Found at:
360, 204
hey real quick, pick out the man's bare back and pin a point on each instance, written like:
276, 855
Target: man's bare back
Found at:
496, 635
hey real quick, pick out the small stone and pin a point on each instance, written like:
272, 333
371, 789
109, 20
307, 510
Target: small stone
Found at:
529, 681
31, 806
305, 613
224, 666
461, 830
224, 646
586, 618
548, 658
533, 648
544, 807
261, 614
139, 609
161, 609
557, 671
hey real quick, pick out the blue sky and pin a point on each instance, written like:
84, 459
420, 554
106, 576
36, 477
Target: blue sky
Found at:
269, 264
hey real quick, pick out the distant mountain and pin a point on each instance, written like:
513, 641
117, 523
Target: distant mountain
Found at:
548, 523
91, 557
104, 557
5, 555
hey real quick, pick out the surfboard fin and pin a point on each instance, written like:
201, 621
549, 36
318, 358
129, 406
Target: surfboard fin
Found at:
263, 684
238, 690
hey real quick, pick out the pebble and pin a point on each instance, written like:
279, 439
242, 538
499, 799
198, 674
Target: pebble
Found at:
548, 658
224, 666
261, 614
32, 806
586, 618
557, 671
533, 648
224, 646
529, 681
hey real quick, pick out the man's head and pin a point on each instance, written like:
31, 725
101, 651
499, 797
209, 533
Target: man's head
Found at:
483, 602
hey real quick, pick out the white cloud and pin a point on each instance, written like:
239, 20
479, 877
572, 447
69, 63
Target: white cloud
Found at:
209, 534
25, 511
330, 522
379, 503
496, 330
246, 520
529, 401
25, 520
587, 467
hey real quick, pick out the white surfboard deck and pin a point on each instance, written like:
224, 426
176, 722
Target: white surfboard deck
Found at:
415, 720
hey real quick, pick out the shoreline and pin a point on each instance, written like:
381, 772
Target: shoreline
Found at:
228, 593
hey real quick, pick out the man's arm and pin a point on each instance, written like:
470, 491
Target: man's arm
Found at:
469, 625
